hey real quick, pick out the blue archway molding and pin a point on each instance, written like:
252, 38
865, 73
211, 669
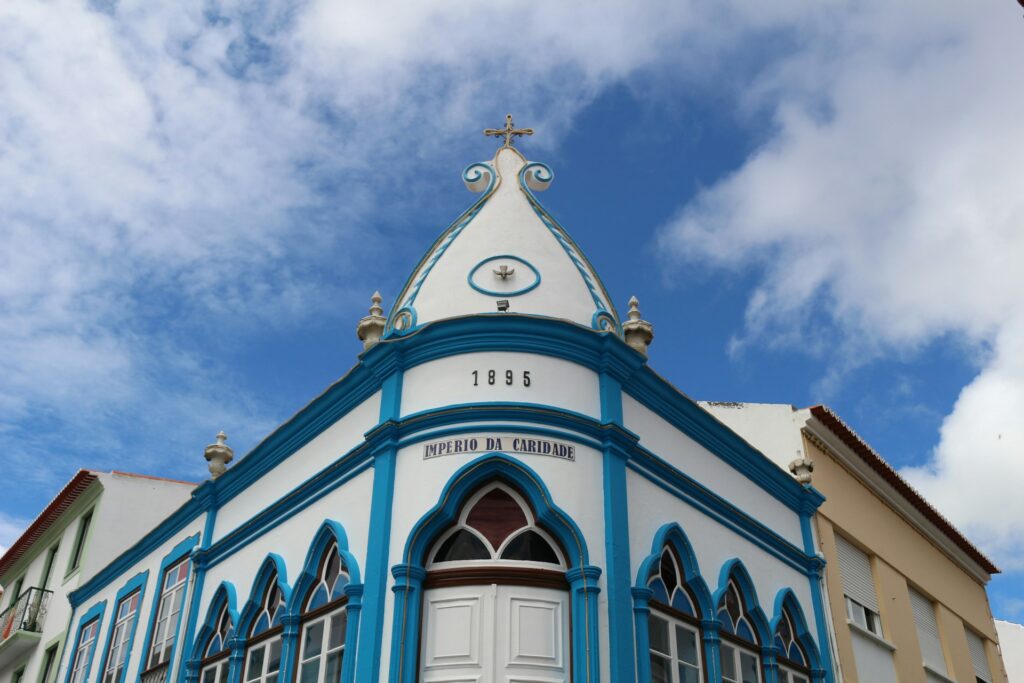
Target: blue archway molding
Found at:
672, 535
224, 595
329, 532
786, 601
272, 568
409, 576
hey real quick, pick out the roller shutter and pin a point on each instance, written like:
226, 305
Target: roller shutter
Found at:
855, 567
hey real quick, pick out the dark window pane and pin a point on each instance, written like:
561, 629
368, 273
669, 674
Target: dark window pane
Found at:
313, 640
255, 667
529, 546
658, 631
496, 515
462, 545
668, 572
661, 670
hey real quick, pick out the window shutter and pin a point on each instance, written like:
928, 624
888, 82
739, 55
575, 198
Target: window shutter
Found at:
927, 631
977, 648
855, 568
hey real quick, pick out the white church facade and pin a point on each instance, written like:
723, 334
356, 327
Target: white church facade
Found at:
501, 489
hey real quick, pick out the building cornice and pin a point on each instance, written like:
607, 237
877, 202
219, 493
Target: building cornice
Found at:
829, 433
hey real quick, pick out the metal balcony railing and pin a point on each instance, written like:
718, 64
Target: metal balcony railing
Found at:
26, 614
156, 674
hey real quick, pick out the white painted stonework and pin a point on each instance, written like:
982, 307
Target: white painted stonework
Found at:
390, 460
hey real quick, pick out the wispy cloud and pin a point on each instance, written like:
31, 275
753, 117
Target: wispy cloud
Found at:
886, 213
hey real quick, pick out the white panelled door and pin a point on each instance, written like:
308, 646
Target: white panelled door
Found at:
499, 634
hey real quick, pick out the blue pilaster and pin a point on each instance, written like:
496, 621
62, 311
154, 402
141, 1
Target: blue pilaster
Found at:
622, 650
186, 673
585, 651
290, 624
712, 648
353, 610
815, 576
368, 649
408, 591
236, 660
770, 662
641, 621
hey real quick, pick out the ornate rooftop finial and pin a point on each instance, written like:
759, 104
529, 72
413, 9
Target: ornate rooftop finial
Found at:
508, 132
219, 455
637, 331
371, 328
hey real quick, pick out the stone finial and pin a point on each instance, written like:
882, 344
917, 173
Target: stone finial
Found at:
219, 455
801, 469
371, 328
637, 331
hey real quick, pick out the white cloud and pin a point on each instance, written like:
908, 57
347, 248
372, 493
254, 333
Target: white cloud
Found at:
886, 212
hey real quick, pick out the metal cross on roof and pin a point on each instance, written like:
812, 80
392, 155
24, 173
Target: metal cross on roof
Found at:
508, 132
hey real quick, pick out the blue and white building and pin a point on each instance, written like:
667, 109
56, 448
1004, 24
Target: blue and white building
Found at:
501, 489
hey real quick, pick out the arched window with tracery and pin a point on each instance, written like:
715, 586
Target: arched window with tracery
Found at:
501, 573
741, 661
324, 622
673, 624
794, 664
214, 664
263, 649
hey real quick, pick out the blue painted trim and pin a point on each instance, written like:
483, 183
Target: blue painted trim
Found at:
672, 534
786, 601
641, 624
225, 594
490, 292
405, 631
273, 566
622, 653
572, 250
392, 328
736, 570
506, 332
411, 289
369, 646
178, 552
184, 668
815, 577
136, 583
94, 613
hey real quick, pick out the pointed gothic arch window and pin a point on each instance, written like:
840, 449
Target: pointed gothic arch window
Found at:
741, 661
793, 660
215, 653
324, 621
263, 654
495, 571
495, 527
673, 624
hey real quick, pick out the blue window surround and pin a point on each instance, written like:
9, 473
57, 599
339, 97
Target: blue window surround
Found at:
329, 532
786, 601
601, 352
178, 552
95, 613
136, 583
225, 594
410, 574
272, 567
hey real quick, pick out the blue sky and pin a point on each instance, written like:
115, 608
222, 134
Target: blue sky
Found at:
814, 202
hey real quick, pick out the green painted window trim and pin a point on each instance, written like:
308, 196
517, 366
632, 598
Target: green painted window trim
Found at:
81, 541
19, 674
57, 646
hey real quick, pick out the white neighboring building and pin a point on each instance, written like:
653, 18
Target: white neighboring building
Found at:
500, 489
1011, 639
94, 518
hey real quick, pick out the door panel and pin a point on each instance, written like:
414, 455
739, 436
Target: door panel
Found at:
495, 634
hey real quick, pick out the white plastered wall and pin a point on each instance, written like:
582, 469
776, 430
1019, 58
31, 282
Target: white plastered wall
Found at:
145, 614
328, 446
682, 452
449, 381
576, 487
713, 544
349, 505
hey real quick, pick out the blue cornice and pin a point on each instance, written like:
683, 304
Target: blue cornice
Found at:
600, 352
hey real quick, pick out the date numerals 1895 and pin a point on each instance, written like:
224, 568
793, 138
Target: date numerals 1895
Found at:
497, 377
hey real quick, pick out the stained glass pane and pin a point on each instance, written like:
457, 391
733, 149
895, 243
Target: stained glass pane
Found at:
462, 545
686, 645
728, 662
529, 546
658, 629
312, 640
749, 666
661, 670
496, 515
332, 674
668, 572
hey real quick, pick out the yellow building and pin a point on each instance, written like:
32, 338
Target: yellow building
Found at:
905, 588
